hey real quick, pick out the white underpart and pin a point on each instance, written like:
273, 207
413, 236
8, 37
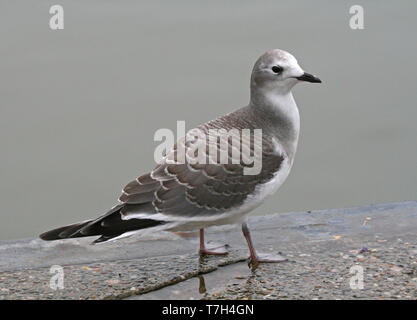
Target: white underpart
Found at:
142, 232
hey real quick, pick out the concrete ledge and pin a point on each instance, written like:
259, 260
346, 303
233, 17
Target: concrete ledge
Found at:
316, 243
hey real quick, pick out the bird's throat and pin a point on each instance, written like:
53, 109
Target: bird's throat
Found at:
279, 114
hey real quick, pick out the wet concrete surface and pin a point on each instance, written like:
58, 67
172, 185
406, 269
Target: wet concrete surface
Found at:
322, 246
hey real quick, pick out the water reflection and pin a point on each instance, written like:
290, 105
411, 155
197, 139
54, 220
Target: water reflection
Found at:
212, 282
202, 287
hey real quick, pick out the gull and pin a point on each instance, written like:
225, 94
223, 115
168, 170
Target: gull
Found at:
193, 195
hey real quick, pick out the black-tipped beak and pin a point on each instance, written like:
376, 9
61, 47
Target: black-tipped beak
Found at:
309, 78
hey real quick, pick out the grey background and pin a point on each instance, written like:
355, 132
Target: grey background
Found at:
79, 106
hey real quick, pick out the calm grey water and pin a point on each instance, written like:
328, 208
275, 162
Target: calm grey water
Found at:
79, 106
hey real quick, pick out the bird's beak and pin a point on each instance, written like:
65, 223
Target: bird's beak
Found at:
309, 78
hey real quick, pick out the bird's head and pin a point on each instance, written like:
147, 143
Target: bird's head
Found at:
278, 71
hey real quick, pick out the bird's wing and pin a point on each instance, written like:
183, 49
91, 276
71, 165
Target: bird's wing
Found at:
184, 187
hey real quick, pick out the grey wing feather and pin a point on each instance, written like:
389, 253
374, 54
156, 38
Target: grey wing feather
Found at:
191, 189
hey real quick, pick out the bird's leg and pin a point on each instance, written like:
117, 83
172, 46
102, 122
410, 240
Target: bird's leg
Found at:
216, 249
255, 258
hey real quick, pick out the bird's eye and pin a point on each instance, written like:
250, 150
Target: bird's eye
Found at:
276, 69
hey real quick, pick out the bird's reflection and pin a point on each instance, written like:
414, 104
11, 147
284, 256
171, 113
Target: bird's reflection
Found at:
248, 287
247, 283
202, 287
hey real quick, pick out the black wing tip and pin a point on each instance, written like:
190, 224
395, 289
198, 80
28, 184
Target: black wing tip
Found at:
51, 235
108, 226
47, 236
70, 231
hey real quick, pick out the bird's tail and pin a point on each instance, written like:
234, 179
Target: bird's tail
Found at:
108, 226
